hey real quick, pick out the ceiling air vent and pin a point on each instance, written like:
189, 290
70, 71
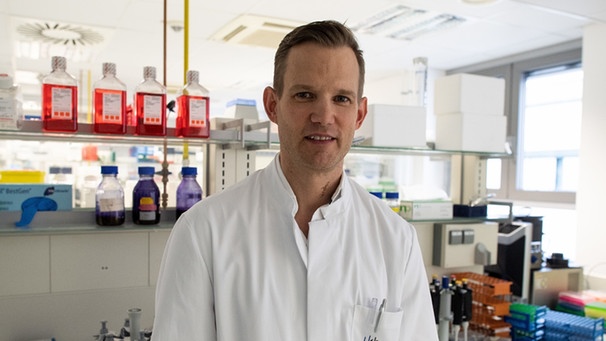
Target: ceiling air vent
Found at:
55, 33
255, 30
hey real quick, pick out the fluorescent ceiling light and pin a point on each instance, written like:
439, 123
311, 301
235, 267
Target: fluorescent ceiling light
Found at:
402, 22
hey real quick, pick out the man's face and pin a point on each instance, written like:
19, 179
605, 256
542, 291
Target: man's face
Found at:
319, 110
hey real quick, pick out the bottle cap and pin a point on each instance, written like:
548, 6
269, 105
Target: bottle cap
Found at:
146, 170
193, 76
149, 72
54, 170
109, 69
109, 169
189, 171
58, 63
392, 195
66, 170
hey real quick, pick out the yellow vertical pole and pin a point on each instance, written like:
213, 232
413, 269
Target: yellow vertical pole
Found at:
185, 67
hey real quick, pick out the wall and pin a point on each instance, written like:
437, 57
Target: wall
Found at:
591, 234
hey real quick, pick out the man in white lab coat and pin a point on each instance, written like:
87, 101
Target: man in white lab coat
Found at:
298, 251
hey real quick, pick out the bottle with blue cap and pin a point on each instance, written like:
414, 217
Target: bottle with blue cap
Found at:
109, 199
189, 191
146, 198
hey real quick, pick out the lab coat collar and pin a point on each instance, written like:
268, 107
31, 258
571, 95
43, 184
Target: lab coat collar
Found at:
339, 200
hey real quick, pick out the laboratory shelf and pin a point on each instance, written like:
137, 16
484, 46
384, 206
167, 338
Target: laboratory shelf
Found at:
79, 220
234, 132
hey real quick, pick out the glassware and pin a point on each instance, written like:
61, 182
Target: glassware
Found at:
150, 105
59, 99
193, 108
110, 102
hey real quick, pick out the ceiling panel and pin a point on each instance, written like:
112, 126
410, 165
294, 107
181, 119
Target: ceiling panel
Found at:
490, 32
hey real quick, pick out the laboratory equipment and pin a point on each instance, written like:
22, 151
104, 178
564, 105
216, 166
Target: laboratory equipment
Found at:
59, 98
146, 198
193, 108
189, 191
11, 114
109, 199
150, 105
110, 102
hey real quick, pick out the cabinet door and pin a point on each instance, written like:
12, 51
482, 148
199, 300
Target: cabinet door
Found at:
24, 265
99, 261
157, 242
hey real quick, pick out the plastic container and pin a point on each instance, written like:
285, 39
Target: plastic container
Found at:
193, 109
110, 103
59, 99
189, 191
146, 199
11, 114
393, 200
21, 177
150, 105
109, 199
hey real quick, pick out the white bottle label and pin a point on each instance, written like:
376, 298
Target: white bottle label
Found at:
197, 112
152, 109
111, 205
8, 113
62, 104
112, 106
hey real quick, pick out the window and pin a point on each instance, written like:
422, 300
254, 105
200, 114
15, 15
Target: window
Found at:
543, 106
549, 129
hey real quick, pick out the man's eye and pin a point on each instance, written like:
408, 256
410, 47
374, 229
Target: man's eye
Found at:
342, 99
303, 95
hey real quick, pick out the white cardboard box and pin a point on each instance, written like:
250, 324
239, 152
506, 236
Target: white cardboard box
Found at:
471, 132
473, 94
394, 126
426, 209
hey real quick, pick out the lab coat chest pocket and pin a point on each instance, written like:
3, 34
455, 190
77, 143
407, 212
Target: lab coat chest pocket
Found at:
364, 320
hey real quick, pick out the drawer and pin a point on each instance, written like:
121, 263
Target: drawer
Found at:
99, 261
24, 265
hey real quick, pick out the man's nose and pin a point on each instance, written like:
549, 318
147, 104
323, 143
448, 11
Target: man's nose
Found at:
323, 112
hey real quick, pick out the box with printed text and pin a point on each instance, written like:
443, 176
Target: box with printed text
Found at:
41, 197
426, 209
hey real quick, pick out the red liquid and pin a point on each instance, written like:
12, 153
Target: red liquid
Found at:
151, 114
193, 119
110, 115
59, 107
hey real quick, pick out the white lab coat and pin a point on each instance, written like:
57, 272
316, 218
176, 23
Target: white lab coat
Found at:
237, 267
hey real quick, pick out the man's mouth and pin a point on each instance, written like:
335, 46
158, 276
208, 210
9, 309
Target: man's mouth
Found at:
319, 138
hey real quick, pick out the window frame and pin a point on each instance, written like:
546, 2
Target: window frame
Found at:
513, 69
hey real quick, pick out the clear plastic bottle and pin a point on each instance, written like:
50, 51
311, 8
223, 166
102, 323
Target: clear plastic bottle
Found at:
193, 108
110, 102
109, 199
189, 191
150, 105
393, 200
11, 113
59, 99
146, 199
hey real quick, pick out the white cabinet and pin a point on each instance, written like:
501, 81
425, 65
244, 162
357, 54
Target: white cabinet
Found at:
157, 242
98, 261
24, 265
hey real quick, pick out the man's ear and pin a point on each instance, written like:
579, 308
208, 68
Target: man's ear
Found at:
362, 111
270, 102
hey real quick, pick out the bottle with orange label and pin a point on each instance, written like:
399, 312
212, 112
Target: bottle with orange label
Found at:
146, 198
193, 112
59, 98
109, 95
150, 105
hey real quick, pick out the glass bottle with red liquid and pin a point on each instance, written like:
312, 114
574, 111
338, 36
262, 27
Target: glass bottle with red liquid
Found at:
150, 105
193, 108
59, 98
110, 102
